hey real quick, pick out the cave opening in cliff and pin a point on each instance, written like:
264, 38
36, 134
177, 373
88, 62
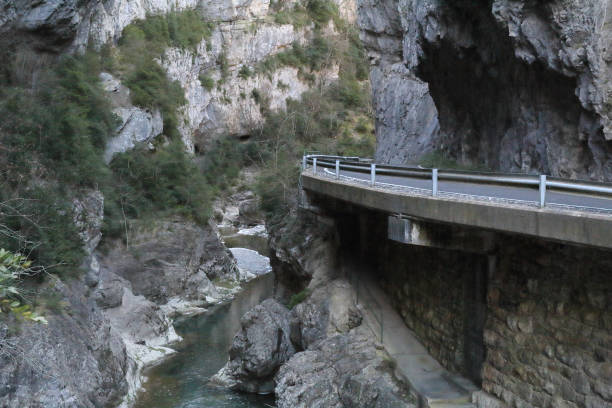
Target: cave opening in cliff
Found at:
499, 112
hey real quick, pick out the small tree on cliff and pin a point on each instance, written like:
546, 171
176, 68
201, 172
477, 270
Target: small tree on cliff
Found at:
13, 268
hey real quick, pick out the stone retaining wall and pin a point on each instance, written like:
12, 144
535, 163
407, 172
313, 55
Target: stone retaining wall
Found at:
549, 327
431, 288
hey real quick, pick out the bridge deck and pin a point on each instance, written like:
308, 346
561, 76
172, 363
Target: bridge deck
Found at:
582, 228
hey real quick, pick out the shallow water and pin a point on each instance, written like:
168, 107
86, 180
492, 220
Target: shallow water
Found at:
235, 238
181, 381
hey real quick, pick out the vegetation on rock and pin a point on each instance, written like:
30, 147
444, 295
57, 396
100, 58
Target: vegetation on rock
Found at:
13, 267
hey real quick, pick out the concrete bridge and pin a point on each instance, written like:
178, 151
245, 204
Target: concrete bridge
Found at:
575, 212
469, 278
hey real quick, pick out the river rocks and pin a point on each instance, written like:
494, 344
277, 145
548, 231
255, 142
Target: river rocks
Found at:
340, 371
250, 263
542, 63
258, 350
109, 288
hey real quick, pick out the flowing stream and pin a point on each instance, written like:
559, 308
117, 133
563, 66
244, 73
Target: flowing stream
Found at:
181, 381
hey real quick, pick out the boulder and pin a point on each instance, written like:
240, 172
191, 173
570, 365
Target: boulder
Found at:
329, 310
261, 346
345, 370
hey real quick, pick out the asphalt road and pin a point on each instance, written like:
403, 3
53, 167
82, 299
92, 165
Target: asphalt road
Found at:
491, 190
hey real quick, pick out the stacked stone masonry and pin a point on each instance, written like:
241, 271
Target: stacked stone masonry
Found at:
548, 330
538, 314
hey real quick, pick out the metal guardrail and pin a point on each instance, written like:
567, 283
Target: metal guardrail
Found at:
541, 183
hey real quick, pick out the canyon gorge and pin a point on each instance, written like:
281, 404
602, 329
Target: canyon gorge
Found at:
151, 155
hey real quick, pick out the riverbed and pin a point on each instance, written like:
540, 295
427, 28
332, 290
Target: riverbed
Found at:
181, 381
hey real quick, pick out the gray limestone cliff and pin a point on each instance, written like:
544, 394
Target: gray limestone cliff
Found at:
116, 318
509, 85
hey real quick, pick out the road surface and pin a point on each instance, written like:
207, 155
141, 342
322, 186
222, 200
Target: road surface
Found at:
525, 193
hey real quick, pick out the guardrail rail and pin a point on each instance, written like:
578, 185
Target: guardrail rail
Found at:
332, 166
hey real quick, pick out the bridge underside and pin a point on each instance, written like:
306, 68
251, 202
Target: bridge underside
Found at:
529, 319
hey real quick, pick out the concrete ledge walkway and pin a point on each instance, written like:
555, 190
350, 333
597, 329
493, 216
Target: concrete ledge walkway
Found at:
432, 384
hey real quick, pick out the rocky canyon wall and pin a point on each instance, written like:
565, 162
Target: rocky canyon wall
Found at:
507, 85
115, 316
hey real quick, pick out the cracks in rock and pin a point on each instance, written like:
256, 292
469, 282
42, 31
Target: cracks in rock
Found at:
495, 109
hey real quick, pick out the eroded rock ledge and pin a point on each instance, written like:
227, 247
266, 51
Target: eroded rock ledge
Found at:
511, 85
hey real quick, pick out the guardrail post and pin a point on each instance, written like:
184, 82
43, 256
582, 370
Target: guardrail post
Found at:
337, 169
373, 175
304, 163
434, 180
542, 190
314, 165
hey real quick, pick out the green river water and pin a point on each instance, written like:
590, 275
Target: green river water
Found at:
181, 380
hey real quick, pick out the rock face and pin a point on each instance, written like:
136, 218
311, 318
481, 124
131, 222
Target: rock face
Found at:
230, 107
512, 85
304, 253
171, 258
329, 310
88, 210
244, 36
258, 350
137, 125
341, 371
75, 361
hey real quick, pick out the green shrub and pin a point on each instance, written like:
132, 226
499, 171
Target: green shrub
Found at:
42, 226
151, 88
147, 183
183, 29
207, 82
322, 11
350, 93
297, 16
256, 95
245, 72
312, 56
282, 86
298, 298
13, 267
64, 123
223, 66
223, 160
